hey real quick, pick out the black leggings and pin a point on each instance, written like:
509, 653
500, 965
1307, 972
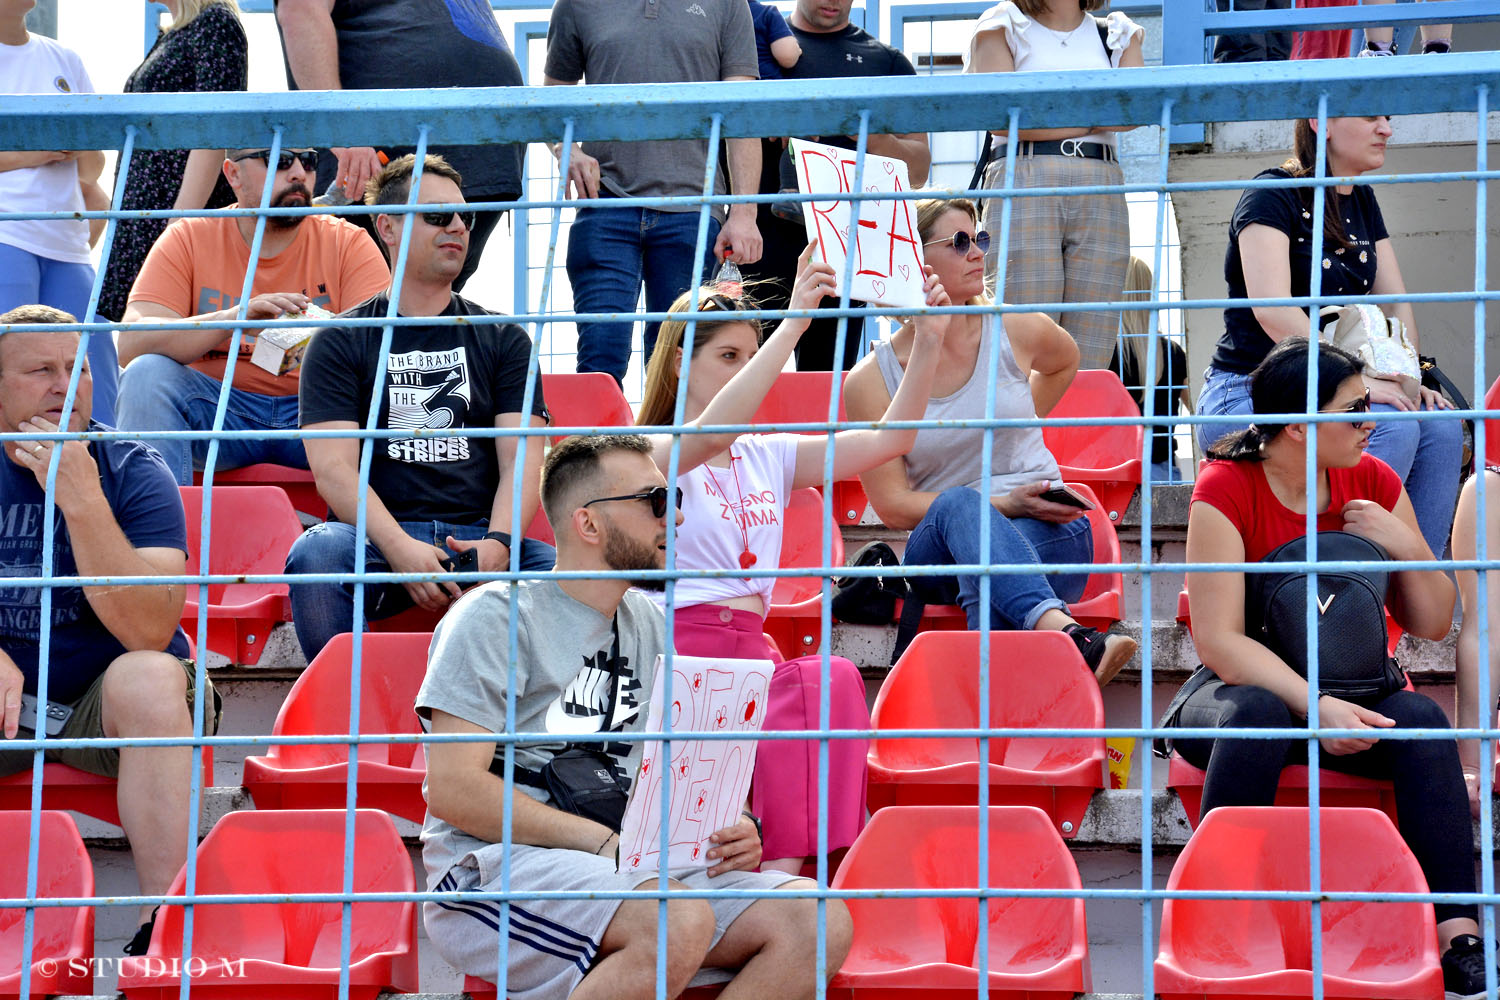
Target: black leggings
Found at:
1432, 807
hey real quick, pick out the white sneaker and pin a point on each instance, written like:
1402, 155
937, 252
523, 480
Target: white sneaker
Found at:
1367, 51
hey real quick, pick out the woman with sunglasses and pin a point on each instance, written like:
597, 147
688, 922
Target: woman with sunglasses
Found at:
1270, 256
1252, 497
734, 506
1063, 247
935, 490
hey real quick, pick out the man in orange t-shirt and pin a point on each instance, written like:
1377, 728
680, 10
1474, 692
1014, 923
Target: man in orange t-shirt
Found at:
196, 271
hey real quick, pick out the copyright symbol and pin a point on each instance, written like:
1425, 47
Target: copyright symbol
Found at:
47, 967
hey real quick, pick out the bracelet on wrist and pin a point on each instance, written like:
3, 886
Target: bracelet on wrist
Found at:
503, 537
606, 842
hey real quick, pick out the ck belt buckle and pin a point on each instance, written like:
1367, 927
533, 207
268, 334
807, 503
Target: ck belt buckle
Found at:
1071, 147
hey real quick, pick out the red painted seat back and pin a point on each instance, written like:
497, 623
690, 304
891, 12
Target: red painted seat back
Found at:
62, 946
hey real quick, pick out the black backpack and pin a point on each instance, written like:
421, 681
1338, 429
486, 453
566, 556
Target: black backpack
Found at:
1353, 661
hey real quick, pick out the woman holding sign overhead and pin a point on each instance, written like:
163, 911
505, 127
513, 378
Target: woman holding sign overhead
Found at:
734, 506
936, 492
1068, 247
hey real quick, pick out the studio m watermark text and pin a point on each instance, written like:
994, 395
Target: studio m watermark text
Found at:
154, 966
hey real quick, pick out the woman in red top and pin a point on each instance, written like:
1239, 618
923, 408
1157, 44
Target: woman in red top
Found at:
1255, 497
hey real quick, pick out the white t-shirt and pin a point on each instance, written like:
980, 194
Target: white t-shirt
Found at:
1035, 47
42, 66
724, 509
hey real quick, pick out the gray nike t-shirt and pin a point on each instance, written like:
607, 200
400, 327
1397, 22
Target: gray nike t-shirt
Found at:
563, 683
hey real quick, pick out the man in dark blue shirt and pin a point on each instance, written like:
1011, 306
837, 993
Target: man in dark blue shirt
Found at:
116, 659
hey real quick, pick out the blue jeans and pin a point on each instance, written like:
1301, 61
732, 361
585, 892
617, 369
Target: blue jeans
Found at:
949, 535
1165, 472
158, 394
321, 611
1426, 454
611, 251
27, 280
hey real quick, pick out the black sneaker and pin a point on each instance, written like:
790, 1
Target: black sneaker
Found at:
1105, 654
142, 939
1463, 969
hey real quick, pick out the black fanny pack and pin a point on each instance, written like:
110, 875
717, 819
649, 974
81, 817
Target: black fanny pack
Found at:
871, 600
581, 781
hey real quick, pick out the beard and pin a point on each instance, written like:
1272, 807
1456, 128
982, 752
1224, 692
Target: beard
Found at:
626, 554
295, 196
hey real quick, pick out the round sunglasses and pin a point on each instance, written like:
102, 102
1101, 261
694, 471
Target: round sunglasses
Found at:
960, 241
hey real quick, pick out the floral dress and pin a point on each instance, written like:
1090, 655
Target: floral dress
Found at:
208, 53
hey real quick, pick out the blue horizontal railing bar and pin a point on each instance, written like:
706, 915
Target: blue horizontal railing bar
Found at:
1364, 15
1238, 92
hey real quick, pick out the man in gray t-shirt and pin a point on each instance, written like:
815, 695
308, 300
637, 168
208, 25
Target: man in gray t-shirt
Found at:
613, 250
585, 664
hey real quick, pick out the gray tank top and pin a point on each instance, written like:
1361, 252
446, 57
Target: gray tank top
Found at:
946, 457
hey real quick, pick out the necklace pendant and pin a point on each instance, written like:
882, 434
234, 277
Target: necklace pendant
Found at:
1063, 42
747, 559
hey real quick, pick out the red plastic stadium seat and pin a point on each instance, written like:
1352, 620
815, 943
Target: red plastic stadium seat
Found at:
1185, 619
298, 483
1241, 948
287, 950
921, 948
1108, 459
802, 398
1037, 680
253, 530
62, 946
1103, 600
797, 602
313, 776
1492, 425
1340, 790
583, 399
65, 787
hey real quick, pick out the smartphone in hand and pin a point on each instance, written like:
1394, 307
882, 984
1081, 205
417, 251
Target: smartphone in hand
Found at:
1067, 496
466, 561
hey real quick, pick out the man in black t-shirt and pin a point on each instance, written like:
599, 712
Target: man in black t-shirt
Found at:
831, 47
405, 44
430, 498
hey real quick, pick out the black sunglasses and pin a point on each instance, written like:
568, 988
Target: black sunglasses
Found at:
656, 496
960, 240
1361, 405
307, 157
441, 219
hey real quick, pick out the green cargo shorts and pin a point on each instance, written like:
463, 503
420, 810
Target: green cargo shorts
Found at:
87, 722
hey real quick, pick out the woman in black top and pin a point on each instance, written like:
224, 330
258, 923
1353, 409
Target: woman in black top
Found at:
1270, 256
204, 49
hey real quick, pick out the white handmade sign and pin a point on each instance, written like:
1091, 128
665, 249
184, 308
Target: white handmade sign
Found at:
886, 247
710, 778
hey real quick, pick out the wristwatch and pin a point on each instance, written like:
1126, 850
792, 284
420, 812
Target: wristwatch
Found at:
759, 830
503, 537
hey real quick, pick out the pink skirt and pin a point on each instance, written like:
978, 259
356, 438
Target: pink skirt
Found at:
784, 791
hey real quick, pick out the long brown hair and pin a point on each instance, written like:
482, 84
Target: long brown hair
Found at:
1031, 8
1304, 164
660, 402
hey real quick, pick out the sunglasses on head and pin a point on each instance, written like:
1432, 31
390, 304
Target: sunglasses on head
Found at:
307, 157
656, 497
441, 219
960, 241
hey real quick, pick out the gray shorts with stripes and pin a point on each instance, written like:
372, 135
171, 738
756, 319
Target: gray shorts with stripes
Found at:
553, 942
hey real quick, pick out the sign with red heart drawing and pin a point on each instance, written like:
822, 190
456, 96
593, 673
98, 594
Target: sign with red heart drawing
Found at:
710, 779
886, 248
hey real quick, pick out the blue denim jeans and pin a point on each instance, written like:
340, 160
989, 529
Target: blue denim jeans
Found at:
27, 279
321, 611
158, 394
949, 535
611, 251
1426, 454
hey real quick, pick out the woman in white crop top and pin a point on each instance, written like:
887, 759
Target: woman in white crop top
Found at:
733, 507
936, 492
1062, 248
